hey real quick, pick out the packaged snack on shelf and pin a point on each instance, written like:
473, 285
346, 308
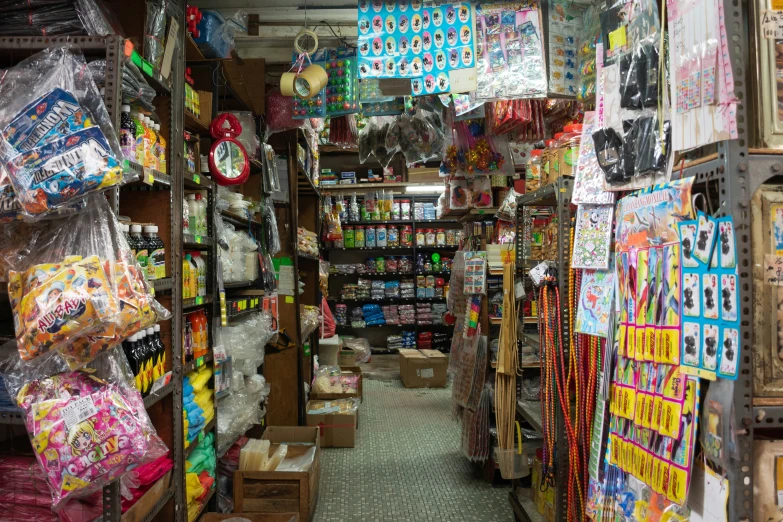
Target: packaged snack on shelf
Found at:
481, 192
58, 144
87, 429
75, 286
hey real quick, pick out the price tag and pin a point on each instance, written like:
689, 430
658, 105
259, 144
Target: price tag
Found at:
200, 362
196, 179
481, 212
148, 177
199, 300
219, 353
772, 24
161, 382
197, 239
128, 48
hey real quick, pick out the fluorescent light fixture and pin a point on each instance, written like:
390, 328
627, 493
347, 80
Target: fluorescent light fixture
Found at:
439, 188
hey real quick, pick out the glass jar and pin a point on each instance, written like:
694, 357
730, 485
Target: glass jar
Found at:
348, 237
429, 237
451, 237
569, 149
421, 237
440, 237
369, 237
380, 264
359, 237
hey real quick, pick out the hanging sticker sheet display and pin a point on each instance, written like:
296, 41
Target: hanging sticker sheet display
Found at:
405, 39
649, 217
595, 302
475, 273
565, 26
589, 178
593, 237
710, 295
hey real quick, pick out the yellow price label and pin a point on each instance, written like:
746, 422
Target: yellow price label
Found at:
196, 179
148, 177
197, 239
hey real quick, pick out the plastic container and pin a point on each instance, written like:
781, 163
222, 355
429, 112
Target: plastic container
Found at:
569, 149
141, 247
380, 264
440, 237
349, 237
193, 215
513, 463
202, 215
533, 170
393, 234
156, 254
546, 163
429, 237
186, 277
451, 237
421, 237
359, 237
127, 134
369, 236
381, 239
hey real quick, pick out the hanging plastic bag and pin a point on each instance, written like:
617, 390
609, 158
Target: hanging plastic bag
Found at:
75, 286
87, 428
271, 234
58, 144
508, 209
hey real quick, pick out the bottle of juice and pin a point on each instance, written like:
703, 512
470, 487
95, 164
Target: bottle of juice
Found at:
129, 346
149, 145
202, 215
185, 216
193, 277
142, 355
140, 247
161, 150
127, 134
188, 337
126, 232
152, 350
139, 121
198, 334
186, 277
161, 351
156, 262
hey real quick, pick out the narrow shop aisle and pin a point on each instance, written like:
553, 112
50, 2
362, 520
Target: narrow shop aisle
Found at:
406, 465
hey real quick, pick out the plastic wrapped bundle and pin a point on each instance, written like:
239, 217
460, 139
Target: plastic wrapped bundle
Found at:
40, 18
87, 429
57, 144
216, 33
135, 89
76, 287
155, 32
142, 478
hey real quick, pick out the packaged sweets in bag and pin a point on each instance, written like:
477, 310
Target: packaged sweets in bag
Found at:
87, 428
57, 143
75, 286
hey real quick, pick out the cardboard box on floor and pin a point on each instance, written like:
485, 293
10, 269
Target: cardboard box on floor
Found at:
281, 492
354, 370
423, 368
337, 430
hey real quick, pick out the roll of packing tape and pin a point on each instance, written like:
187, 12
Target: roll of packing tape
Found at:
287, 81
311, 81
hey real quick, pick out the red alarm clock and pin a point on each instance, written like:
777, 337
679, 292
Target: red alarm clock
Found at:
228, 161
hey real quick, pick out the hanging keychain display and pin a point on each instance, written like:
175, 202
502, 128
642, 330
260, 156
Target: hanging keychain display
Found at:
228, 161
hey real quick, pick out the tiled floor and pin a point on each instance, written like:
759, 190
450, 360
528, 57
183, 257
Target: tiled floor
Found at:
406, 465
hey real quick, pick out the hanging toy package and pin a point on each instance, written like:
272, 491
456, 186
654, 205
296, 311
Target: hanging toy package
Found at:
87, 428
58, 144
75, 286
420, 137
481, 192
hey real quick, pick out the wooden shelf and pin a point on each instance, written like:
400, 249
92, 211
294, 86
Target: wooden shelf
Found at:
195, 126
358, 187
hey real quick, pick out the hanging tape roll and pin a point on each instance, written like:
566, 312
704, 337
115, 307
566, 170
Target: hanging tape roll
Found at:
287, 83
311, 81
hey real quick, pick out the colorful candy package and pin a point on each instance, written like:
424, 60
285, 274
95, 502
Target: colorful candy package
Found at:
57, 141
87, 428
75, 286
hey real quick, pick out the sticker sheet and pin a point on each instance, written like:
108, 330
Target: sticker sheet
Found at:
595, 302
475, 273
589, 178
710, 298
593, 237
406, 39
565, 26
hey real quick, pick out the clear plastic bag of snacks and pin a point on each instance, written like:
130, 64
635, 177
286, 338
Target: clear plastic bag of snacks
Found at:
75, 285
87, 427
57, 142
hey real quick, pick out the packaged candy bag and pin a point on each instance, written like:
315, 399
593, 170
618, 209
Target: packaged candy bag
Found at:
75, 286
87, 428
57, 143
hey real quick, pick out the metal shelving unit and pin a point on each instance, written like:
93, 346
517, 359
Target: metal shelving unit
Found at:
557, 195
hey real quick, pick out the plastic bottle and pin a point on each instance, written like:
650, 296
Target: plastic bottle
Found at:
186, 277
139, 122
152, 350
202, 215
142, 356
554, 158
193, 277
199, 333
128, 347
185, 216
141, 247
193, 215
149, 147
188, 337
126, 232
202, 274
161, 348
127, 134
156, 260
162, 152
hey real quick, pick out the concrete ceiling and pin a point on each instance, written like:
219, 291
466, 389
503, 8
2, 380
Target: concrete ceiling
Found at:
281, 20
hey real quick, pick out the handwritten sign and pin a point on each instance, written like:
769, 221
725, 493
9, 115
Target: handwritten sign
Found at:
773, 270
772, 24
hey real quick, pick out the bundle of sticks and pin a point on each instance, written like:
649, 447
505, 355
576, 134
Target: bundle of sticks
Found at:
506, 375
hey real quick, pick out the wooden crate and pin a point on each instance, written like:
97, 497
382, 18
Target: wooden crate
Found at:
273, 492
